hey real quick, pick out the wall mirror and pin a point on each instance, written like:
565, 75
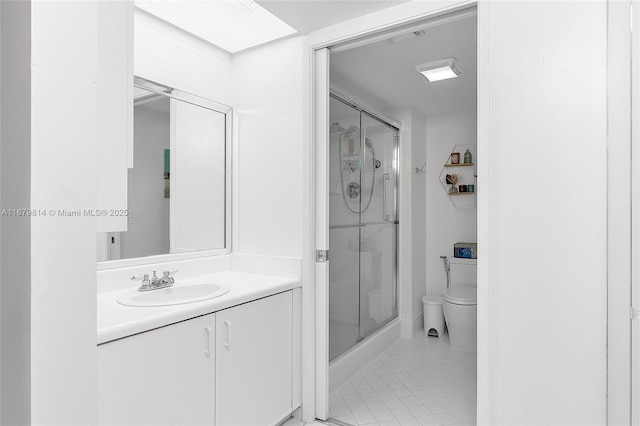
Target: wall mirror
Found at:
179, 189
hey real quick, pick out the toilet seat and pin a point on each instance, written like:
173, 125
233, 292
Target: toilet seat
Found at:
462, 295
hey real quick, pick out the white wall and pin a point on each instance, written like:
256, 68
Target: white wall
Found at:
63, 176
267, 85
176, 59
148, 230
542, 213
15, 245
419, 202
446, 224
264, 86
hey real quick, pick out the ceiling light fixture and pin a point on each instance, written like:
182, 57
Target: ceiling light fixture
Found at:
441, 69
407, 36
232, 25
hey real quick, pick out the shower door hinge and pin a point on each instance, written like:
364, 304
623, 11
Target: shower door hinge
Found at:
322, 256
635, 314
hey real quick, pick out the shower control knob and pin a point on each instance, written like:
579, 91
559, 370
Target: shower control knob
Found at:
353, 190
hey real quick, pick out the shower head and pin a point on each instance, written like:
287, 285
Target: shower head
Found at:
368, 142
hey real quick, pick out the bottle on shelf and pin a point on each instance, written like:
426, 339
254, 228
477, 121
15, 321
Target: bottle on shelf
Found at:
467, 157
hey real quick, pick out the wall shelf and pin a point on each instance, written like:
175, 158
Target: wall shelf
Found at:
466, 175
459, 165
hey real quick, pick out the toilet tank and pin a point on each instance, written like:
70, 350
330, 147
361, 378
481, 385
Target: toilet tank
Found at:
465, 250
463, 271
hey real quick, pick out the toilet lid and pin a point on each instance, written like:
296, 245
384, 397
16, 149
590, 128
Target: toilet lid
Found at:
462, 295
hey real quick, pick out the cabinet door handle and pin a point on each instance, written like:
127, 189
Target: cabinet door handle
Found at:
207, 352
228, 342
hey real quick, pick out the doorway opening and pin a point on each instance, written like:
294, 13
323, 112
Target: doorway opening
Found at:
433, 120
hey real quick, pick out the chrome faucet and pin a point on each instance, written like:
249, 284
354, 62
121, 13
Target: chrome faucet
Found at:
155, 282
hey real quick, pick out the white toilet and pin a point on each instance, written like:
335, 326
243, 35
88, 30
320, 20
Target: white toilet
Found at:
460, 310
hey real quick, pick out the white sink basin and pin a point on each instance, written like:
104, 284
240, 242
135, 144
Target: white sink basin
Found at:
176, 295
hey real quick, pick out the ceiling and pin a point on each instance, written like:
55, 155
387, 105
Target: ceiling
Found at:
309, 15
383, 74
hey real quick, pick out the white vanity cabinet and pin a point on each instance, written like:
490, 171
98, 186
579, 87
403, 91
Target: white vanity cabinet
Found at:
231, 367
161, 377
254, 362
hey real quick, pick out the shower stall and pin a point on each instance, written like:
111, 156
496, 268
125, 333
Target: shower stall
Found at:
363, 224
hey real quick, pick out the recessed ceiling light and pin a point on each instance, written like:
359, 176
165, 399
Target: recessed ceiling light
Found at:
233, 25
440, 70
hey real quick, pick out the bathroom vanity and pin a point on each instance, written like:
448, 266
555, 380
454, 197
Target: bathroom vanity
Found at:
222, 361
230, 360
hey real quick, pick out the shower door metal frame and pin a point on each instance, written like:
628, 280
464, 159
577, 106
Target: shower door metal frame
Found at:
396, 191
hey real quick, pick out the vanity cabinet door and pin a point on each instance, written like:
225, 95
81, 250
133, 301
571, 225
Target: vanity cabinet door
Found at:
161, 377
253, 362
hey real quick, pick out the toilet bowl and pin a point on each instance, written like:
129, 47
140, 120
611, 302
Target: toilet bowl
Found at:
460, 310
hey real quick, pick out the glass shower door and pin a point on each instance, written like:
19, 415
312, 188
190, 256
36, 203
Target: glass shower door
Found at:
344, 228
362, 225
378, 304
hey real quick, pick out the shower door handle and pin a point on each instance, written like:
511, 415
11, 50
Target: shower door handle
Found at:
385, 216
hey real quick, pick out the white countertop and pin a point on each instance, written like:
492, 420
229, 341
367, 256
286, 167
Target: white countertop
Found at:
116, 321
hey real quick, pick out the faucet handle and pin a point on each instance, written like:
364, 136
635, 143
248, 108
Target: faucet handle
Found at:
168, 276
145, 281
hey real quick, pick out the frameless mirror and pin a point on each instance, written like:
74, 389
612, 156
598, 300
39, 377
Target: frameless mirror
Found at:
179, 186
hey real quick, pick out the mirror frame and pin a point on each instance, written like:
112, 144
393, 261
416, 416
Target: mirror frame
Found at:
190, 98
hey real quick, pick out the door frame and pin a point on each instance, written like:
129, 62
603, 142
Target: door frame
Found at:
619, 344
628, 332
358, 31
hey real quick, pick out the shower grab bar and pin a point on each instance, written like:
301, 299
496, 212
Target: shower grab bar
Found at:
362, 225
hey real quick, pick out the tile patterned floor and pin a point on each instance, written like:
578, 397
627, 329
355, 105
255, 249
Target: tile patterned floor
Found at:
419, 381
296, 422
